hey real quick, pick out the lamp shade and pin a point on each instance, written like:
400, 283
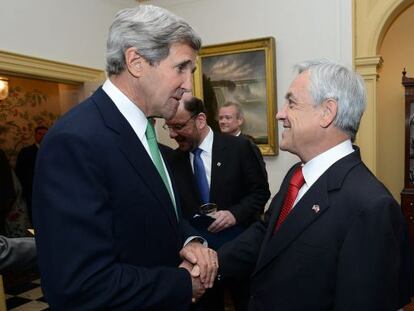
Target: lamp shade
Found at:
4, 88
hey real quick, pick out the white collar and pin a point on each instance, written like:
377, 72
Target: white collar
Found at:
135, 117
314, 168
207, 143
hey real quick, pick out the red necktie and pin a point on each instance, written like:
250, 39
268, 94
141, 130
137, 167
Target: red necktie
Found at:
296, 182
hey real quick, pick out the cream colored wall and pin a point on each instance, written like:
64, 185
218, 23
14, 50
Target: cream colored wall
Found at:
302, 29
72, 31
397, 51
75, 31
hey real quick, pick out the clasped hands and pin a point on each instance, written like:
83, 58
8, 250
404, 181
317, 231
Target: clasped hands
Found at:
202, 264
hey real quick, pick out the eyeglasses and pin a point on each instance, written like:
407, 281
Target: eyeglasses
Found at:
178, 127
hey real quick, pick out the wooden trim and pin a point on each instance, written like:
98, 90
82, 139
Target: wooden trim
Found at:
28, 66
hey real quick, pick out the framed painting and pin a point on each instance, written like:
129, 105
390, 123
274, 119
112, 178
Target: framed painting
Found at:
242, 72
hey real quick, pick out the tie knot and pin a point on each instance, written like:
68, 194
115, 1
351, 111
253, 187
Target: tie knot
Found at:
297, 179
150, 131
197, 152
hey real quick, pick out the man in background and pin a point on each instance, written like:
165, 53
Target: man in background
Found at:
108, 226
215, 168
25, 166
231, 120
333, 238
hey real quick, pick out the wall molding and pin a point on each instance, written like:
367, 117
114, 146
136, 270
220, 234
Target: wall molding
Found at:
28, 66
371, 20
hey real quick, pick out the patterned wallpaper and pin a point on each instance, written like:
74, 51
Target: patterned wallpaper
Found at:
31, 103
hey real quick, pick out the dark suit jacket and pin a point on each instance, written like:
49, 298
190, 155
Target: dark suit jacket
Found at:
257, 151
7, 191
238, 183
341, 247
107, 234
25, 164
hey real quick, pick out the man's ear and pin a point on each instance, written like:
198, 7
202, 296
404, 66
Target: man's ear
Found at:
329, 110
134, 62
201, 120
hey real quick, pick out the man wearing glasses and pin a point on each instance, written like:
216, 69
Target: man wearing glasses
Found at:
232, 180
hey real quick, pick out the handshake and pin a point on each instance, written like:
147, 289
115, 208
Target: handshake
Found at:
202, 264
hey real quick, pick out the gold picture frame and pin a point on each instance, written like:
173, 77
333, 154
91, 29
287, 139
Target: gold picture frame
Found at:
245, 72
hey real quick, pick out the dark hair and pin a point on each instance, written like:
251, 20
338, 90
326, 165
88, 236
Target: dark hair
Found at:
38, 128
194, 106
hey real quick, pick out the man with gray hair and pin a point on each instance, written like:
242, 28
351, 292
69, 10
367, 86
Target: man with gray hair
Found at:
333, 238
108, 225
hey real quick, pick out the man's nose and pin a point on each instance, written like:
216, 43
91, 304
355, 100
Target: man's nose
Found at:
281, 114
173, 134
188, 82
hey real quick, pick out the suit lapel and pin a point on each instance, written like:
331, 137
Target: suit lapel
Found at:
276, 204
135, 153
312, 205
186, 171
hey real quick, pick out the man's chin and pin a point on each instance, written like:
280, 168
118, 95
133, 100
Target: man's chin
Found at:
173, 106
284, 146
169, 115
183, 147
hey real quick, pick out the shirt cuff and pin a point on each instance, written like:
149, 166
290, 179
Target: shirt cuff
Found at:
196, 238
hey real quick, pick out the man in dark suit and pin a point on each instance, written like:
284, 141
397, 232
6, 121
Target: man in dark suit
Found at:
108, 228
334, 237
25, 165
236, 181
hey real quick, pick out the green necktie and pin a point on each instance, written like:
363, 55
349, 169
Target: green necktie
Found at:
156, 158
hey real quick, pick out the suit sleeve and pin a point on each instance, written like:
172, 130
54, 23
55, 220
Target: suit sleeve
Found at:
251, 206
74, 225
17, 254
369, 259
237, 258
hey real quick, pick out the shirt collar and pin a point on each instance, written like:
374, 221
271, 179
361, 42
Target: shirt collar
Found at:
207, 143
313, 169
135, 117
